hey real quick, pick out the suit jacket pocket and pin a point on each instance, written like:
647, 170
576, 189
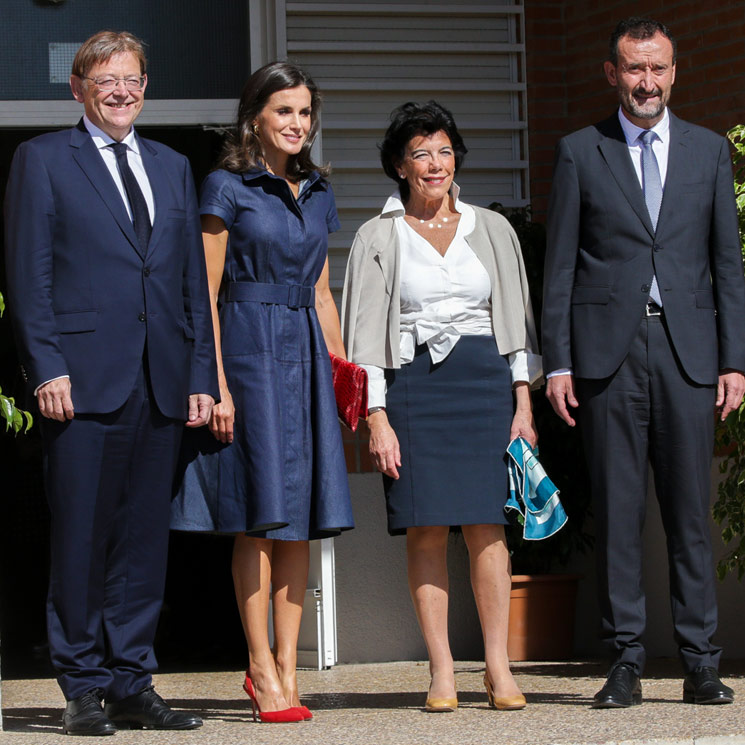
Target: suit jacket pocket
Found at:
704, 298
584, 294
76, 322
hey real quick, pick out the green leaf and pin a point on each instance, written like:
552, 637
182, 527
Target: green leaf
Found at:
6, 409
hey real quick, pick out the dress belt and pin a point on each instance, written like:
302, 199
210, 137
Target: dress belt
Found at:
293, 296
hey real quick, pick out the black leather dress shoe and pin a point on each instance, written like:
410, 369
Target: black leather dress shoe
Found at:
147, 710
702, 686
84, 716
621, 690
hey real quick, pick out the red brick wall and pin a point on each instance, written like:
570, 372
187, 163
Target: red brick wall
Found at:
567, 42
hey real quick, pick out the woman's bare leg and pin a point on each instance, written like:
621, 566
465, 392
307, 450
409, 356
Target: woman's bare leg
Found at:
289, 579
426, 550
252, 571
491, 582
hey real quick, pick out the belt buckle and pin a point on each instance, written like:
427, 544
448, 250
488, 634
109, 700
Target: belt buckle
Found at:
293, 297
652, 310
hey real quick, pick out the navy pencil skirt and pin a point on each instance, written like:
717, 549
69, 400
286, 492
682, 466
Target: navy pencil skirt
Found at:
452, 420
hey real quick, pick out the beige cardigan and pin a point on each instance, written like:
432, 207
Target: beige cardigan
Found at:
371, 301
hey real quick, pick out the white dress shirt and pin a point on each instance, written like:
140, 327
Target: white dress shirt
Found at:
442, 298
660, 147
102, 141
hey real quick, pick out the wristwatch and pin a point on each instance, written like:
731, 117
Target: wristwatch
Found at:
373, 409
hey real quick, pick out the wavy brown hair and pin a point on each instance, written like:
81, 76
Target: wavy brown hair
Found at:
243, 150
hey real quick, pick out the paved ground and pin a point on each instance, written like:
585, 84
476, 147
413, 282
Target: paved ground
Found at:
382, 704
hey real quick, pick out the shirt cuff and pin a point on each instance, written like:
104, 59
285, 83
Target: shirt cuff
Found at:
525, 366
41, 385
376, 385
560, 371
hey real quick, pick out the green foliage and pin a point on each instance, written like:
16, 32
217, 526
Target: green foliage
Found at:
729, 509
561, 451
737, 138
14, 417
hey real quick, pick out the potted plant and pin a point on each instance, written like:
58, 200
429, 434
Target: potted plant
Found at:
542, 602
729, 509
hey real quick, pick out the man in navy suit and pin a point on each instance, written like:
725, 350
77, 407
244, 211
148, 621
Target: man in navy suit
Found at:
109, 298
643, 334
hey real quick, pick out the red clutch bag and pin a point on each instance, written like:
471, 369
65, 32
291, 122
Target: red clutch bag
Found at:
350, 389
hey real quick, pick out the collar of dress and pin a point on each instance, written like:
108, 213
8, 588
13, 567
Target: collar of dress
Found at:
256, 173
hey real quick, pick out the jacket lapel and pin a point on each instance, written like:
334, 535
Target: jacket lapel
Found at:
676, 158
160, 187
90, 161
615, 151
387, 251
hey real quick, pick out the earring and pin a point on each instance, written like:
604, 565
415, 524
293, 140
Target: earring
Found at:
402, 175
255, 129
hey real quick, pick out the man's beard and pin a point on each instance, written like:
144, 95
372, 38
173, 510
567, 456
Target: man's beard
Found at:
648, 110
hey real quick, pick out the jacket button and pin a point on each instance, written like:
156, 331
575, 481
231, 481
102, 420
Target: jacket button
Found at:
646, 288
657, 247
146, 271
141, 317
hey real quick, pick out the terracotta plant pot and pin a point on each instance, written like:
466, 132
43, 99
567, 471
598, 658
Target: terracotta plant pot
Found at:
542, 609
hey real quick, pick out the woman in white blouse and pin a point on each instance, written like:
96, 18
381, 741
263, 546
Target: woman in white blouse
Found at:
436, 308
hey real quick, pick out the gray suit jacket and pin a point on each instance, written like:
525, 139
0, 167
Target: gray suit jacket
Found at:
602, 253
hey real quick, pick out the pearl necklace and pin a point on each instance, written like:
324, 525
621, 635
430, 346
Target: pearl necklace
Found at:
432, 225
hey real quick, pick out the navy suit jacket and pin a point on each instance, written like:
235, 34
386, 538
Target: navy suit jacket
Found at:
86, 300
602, 253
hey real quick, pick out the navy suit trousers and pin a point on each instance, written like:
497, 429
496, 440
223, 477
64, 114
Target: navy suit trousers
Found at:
108, 482
649, 410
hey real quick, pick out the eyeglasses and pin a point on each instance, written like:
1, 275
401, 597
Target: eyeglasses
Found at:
109, 83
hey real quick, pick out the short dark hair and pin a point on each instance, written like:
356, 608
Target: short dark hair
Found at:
243, 149
639, 28
414, 119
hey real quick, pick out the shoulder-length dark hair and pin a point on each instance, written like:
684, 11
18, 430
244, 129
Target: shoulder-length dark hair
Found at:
414, 119
243, 150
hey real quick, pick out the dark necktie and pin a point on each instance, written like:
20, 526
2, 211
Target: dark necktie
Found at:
652, 187
137, 203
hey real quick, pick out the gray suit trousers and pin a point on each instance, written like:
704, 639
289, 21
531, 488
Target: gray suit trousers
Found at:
650, 410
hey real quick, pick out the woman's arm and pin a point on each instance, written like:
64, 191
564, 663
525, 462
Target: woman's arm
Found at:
328, 316
522, 422
215, 238
384, 448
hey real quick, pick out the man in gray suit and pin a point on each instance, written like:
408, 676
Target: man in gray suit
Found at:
643, 335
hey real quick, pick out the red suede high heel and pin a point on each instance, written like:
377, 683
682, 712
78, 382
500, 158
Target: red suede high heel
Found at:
293, 714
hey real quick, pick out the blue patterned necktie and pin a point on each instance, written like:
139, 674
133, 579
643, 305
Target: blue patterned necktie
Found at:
137, 203
652, 187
